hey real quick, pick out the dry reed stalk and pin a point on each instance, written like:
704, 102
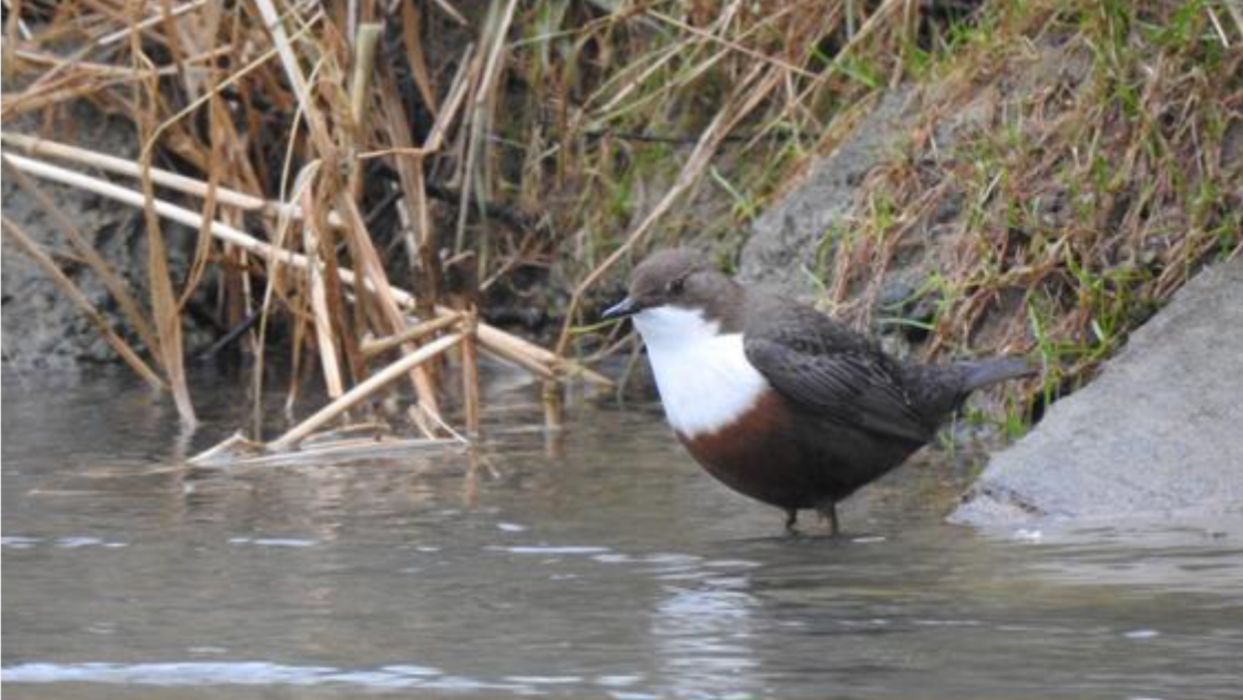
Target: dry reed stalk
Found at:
110, 71
371, 277
308, 107
360, 80
32, 250
347, 327
412, 207
321, 317
471, 399
634, 84
411, 19
479, 121
237, 451
164, 178
164, 14
356, 234
44, 92
448, 8
371, 348
410, 171
10, 36
363, 390
377, 281
688, 78
274, 23
504, 345
553, 403
227, 451
217, 135
467, 140
36, 99
164, 300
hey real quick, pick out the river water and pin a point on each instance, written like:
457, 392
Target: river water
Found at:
602, 564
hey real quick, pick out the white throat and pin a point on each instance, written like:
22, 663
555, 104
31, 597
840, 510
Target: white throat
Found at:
704, 378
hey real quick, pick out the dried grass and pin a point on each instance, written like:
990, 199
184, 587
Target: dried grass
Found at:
201, 100
340, 187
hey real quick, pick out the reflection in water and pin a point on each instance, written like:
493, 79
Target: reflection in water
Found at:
611, 568
703, 637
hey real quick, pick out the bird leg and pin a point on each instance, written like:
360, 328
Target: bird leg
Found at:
791, 521
828, 511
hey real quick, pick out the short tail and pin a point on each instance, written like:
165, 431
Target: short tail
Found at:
981, 373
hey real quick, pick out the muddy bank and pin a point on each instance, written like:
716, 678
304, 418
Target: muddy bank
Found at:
43, 328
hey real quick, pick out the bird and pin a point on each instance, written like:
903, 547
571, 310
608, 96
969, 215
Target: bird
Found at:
779, 401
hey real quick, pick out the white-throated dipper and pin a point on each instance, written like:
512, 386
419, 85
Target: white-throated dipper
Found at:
779, 401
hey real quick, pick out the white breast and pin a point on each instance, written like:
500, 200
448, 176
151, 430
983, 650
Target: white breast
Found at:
705, 380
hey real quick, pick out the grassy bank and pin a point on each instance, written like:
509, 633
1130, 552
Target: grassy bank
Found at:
1073, 165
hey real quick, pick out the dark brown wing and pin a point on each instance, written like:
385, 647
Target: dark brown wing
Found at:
826, 369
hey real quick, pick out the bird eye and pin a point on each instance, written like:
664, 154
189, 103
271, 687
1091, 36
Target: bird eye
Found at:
677, 285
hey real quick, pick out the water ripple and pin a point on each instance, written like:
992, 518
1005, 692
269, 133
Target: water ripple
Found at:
258, 673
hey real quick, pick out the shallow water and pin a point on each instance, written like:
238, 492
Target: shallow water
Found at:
605, 566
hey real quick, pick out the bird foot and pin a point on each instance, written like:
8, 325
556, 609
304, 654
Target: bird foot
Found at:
792, 523
828, 513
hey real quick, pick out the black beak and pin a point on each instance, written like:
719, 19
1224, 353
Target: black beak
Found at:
621, 309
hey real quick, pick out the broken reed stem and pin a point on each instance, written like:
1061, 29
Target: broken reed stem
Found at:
239, 452
554, 405
10, 37
25, 244
360, 83
371, 348
364, 67
363, 390
470, 373
504, 345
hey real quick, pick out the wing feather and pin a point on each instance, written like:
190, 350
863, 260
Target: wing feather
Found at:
829, 370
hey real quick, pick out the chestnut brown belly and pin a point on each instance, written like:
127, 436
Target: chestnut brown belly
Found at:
791, 460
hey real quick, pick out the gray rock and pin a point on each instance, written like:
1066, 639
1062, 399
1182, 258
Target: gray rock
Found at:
786, 239
1158, 433
791, 240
